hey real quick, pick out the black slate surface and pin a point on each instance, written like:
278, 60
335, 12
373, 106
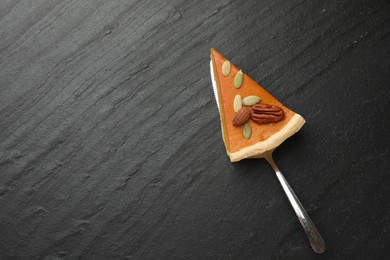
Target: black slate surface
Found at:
110, 143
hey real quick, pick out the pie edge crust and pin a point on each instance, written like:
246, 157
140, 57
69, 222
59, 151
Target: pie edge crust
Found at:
257, 150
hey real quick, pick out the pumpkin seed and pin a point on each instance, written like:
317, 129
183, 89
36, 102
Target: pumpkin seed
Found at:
250, 100
238, 79
247, 131
237, 103
226, 68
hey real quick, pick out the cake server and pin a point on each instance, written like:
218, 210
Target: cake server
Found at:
316, 241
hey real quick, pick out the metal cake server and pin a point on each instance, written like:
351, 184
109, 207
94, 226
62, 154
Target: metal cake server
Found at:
316, 241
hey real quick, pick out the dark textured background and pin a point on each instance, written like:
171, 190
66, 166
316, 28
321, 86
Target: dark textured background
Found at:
110, 140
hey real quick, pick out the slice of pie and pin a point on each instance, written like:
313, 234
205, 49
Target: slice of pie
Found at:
253, 122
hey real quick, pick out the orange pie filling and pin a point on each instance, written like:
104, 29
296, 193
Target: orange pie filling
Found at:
253, 121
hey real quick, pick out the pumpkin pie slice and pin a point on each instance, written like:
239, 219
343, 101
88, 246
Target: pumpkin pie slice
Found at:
253, 122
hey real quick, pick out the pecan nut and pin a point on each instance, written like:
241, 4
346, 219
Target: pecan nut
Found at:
264, 113
242, 116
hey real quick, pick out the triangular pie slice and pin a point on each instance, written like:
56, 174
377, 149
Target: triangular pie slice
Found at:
267, 126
